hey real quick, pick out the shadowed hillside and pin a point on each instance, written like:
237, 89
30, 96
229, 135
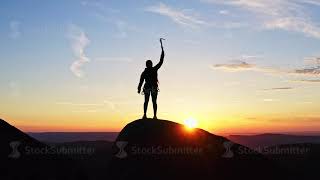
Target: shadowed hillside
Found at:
23, 157
159, 149
296, 154
153, 149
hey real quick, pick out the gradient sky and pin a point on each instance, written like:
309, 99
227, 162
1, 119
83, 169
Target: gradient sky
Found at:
237, 66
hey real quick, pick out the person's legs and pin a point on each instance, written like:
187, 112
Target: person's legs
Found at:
154, 96
145, 105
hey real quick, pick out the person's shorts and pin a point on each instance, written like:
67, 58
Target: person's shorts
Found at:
152, 90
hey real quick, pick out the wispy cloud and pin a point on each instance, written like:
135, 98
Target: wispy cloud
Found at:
278, 88
305, 73
312, 2
308, 80
14, 29
79, 42
179, 16
312, 61
308, 71
289, 15
313, 68
191, 19
241, 65
236, 66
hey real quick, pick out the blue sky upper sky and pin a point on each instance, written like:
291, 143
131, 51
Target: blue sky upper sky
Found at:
85, 57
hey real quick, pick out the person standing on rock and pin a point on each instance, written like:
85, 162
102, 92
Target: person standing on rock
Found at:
150, 77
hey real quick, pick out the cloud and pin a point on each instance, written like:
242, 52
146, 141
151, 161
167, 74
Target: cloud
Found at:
308, 80
241, 65
14, 29
237, 66
308, 71
289, 15
312, 2
79, 42
312, 61
278, 88
313, 68
181, 17
295, 24
245, 66
189, 18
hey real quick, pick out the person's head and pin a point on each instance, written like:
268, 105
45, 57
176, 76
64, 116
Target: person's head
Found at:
149, 64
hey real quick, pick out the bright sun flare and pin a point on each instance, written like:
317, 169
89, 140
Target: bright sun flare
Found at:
190, 123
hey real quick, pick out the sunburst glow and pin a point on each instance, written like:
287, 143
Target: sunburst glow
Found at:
191, 123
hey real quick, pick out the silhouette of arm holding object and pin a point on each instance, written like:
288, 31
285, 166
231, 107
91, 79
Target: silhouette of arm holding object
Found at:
150, 79
161, 57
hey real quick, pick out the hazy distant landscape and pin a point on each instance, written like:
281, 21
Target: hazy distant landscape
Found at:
95, 138
262, 140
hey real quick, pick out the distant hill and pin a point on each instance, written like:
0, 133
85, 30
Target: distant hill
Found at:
62, 137
160, 149
23, 157
263, 140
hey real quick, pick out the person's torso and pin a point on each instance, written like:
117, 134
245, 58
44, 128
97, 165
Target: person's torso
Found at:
151, 77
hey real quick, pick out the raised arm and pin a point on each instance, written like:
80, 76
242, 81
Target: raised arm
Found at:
140, 82
161, 57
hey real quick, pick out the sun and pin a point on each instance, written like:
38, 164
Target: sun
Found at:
190, 123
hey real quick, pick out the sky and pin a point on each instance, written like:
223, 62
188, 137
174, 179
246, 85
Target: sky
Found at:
236, 66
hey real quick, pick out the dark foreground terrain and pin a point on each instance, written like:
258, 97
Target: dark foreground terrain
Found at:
154, 149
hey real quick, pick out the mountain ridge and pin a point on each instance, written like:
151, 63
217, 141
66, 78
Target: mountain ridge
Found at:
23, 157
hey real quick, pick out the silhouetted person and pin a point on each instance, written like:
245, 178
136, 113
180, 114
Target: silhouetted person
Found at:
150, 76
